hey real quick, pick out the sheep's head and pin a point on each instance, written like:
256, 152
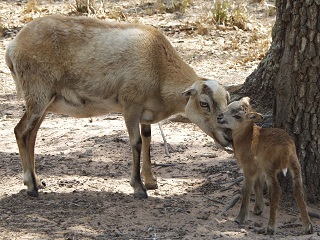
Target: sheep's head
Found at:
237, 113
206, 100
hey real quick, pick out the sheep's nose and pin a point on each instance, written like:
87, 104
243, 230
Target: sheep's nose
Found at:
220, 117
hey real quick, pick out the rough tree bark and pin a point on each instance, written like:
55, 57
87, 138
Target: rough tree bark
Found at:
288, 81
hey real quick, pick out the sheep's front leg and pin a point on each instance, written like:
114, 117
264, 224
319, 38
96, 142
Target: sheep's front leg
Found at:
150, 180
246, 191
132, 119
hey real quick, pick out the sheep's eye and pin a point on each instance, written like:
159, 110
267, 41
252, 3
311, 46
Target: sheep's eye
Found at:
204, 104
237, 117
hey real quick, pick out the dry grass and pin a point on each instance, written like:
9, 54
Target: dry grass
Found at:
230, 13
85, 6
171, 6
32, 6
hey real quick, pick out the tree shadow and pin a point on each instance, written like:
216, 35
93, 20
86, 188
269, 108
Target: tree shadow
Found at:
79, 161
98, 215
76, 215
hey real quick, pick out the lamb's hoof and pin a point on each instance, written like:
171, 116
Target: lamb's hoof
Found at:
257, 211
309, 230
261, 231
141, 194
33, 193
270, 231
239, 220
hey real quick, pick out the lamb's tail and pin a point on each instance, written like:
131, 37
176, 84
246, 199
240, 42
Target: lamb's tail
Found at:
284, 171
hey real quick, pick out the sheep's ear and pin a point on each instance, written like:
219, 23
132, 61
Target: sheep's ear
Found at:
233, 87
228, 97
245, 100
189, 92
254, 116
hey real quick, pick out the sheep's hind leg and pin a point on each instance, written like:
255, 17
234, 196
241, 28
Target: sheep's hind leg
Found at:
274, 197
299, 195
26, 132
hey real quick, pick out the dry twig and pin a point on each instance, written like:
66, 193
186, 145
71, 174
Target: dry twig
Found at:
164, 141
239, 179
233, 202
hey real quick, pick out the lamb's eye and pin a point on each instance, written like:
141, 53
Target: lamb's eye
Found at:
237, 117
204, 104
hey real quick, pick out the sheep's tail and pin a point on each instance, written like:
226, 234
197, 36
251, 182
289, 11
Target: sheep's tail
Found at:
19, 85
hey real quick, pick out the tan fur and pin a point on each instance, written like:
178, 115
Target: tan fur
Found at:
84, 67
262, 153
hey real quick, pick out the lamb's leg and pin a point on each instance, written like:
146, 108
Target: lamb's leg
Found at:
246, 191
258, 188
132, 118
274, 197
299, 195
26, 132
150, 180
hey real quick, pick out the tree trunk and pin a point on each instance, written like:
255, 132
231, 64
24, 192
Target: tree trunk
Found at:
288, 80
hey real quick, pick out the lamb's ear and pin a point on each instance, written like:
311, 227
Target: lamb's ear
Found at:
245, 100
189, 92
254, 116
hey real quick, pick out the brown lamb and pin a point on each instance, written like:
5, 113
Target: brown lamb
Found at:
262, 153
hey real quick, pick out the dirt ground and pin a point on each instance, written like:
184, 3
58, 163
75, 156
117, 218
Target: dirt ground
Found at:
86, 164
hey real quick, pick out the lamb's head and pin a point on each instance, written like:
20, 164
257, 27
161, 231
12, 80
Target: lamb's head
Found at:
238, 113
207, 99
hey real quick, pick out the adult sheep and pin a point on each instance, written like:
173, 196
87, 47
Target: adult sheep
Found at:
83, 67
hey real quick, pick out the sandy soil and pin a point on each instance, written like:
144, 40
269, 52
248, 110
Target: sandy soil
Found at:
86, 164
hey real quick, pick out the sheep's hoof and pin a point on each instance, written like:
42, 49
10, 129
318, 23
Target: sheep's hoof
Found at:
33, 193
151, 186
141, 194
